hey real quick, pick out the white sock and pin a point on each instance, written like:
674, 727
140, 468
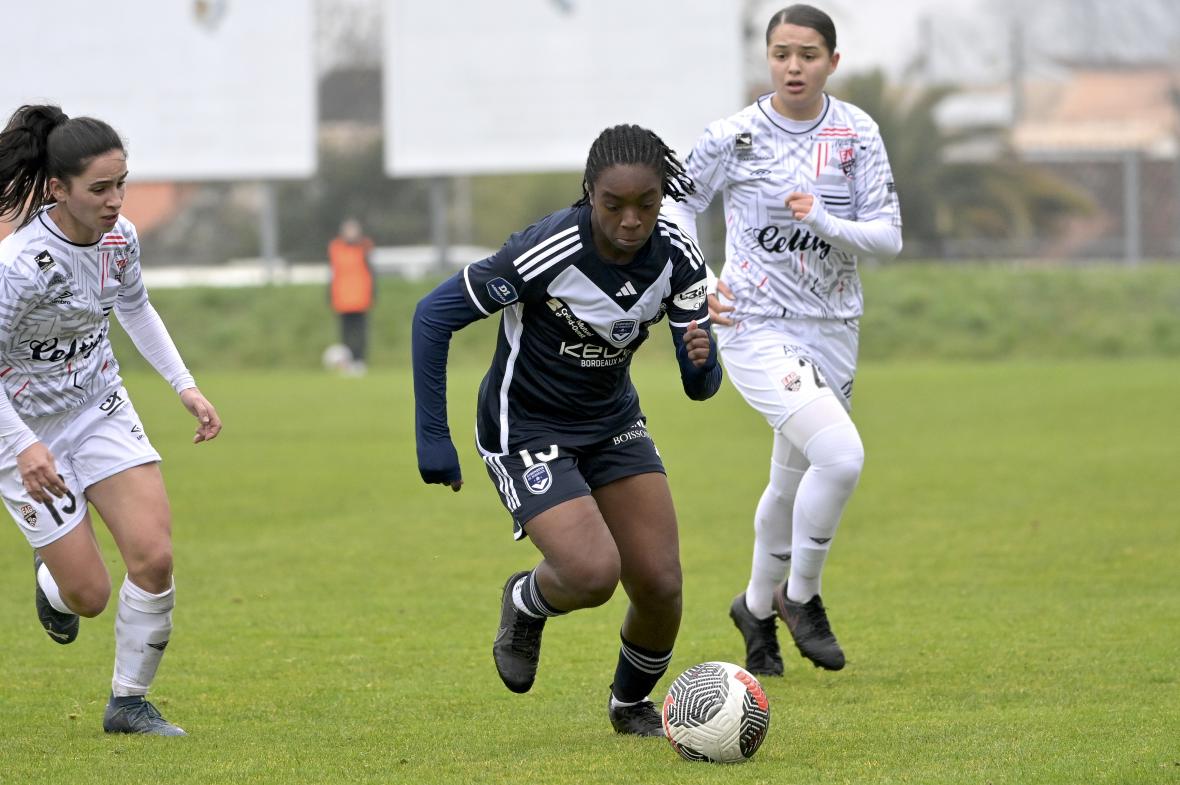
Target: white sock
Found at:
142, 628
833, 447
52, 593
615, 703
772, 527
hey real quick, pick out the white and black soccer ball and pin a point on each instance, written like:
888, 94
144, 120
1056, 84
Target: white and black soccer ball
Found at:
716, 712
336, 357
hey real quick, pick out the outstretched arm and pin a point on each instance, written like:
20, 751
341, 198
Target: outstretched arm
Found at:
437, 317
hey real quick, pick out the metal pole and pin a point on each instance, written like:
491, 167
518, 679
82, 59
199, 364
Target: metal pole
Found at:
438, 223
268, 231
1016, 77
1132, 225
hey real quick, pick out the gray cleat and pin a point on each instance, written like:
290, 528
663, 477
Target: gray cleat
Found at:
808, 623
133, 714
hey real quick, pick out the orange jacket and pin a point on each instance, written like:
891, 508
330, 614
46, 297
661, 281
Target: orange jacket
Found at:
352, 279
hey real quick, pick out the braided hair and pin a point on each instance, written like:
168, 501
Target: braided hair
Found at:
632, 144
41, 143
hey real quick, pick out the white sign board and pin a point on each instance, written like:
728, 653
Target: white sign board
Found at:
198, 89
476, 87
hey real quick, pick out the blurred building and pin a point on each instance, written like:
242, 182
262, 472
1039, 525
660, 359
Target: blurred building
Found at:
1113, 131
1116, 132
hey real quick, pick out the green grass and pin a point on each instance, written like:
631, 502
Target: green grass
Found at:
1004, 583
913, 312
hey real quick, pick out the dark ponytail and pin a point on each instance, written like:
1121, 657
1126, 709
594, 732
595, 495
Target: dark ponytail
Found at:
41, 143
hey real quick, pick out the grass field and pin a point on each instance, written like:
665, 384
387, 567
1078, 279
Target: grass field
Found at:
1004, 582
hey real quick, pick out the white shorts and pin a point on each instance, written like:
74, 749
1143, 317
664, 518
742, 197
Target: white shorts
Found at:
780, 365
89, 444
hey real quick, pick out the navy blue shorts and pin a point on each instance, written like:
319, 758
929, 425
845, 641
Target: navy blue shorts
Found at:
542, 476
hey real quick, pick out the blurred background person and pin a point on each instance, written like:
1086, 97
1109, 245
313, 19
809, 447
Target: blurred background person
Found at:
352, 290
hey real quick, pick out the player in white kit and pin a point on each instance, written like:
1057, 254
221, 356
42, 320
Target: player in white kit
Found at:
807, 190
69, 435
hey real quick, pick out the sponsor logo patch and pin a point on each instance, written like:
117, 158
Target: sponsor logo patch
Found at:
501, 291
743, 148
538, 479
637, 431
691, 299
561, 310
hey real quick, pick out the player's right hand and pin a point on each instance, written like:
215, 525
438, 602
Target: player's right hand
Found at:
718, 309
38, 473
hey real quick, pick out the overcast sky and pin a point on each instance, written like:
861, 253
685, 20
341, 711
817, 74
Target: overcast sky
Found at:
965, 40
886, 34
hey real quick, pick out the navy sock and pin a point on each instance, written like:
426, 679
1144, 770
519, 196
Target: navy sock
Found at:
638, 671
527, 597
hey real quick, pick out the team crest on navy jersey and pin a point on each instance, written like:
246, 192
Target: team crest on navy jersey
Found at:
538, 478
622, 330
501, 291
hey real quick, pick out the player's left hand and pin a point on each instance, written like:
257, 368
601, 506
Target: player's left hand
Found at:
208, 423
696, 341
799, 204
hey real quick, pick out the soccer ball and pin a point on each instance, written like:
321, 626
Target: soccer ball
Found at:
336, 357
716, 712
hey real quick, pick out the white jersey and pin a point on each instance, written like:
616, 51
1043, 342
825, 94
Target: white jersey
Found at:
55, 300
775, 265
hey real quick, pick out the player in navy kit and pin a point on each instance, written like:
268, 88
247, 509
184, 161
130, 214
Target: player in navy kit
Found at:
559, 424
808, 190
69, 435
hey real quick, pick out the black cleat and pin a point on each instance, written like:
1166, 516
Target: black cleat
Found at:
60, 627
517, 649
133, 714
642, 719
762, 653
808, 623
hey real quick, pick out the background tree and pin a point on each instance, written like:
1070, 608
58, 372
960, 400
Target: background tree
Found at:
950, 206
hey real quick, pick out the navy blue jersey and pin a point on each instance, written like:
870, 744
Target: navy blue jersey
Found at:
569, 326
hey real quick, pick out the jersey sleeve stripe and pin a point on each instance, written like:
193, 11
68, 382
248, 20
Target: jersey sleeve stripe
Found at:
471, 292
550, 261
543, 249
683, 242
